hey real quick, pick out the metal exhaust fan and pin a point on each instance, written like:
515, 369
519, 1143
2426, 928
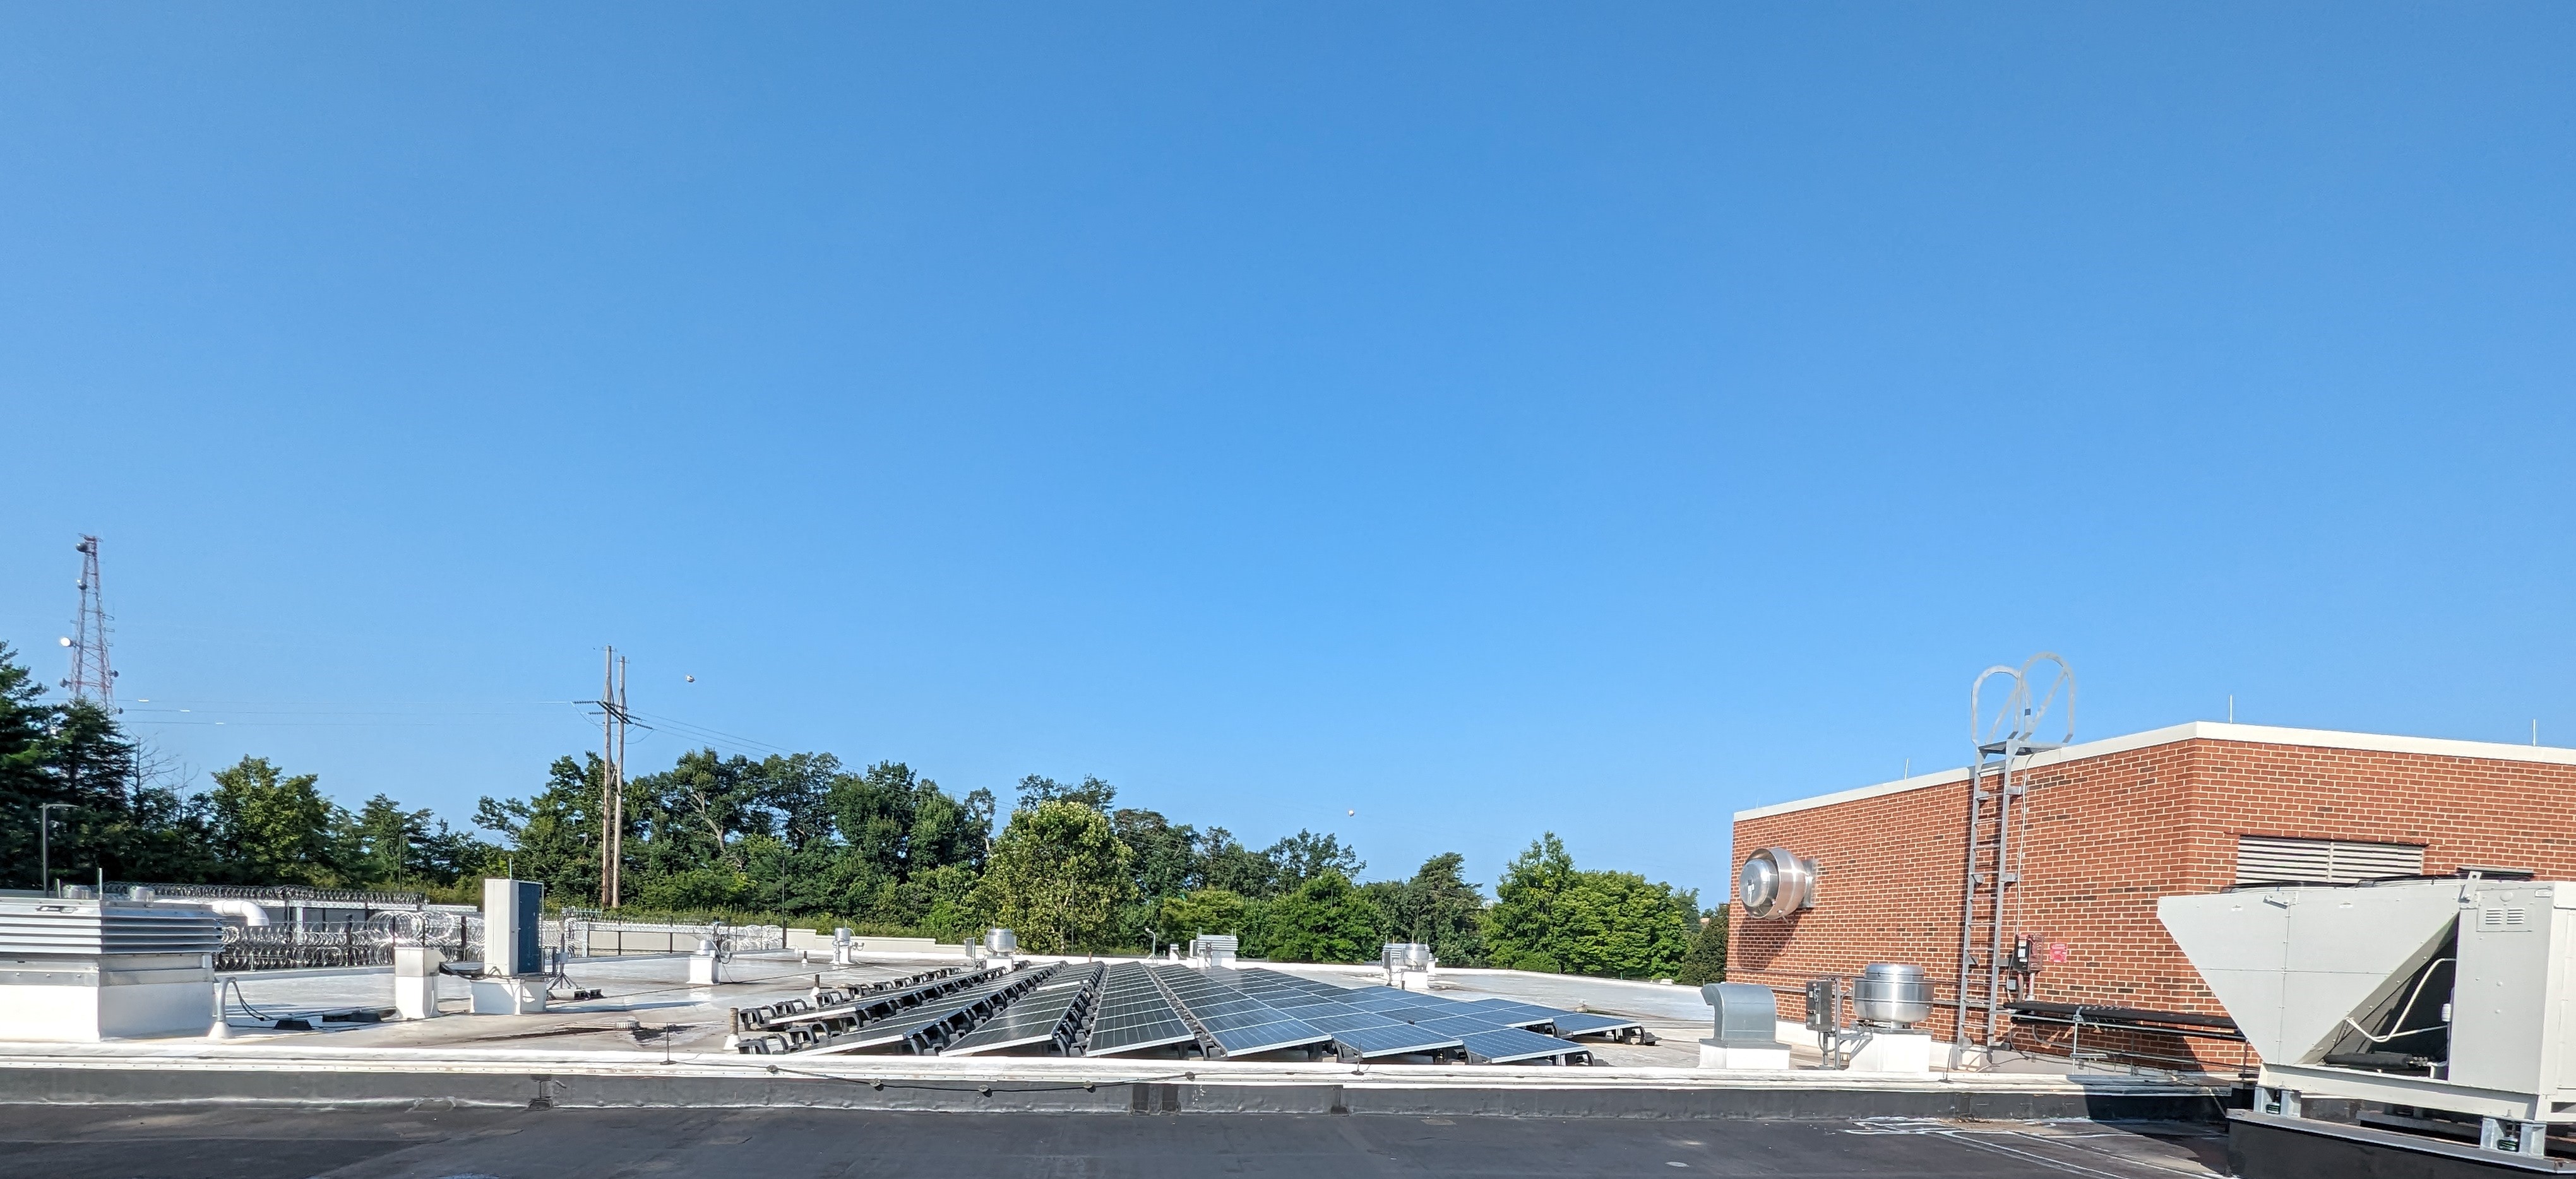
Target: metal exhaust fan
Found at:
1777, 882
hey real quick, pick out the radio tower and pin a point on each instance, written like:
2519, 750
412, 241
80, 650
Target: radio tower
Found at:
92, 679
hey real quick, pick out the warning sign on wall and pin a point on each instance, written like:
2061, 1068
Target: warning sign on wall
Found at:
2058, 952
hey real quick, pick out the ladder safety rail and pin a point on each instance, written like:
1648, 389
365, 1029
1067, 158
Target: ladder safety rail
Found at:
1992, 859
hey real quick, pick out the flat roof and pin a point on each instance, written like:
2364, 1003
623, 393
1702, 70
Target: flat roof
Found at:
2198, 731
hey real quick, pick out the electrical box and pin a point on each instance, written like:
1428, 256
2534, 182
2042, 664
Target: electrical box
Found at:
511, 912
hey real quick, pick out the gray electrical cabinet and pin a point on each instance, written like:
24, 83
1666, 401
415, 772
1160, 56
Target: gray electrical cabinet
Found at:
511, 912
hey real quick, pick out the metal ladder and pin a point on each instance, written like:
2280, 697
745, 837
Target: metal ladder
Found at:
1990, 873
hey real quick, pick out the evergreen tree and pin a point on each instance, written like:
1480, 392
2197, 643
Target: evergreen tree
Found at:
26, 781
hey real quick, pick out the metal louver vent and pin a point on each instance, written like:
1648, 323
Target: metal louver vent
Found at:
2503, 920
32, 925
2265, 859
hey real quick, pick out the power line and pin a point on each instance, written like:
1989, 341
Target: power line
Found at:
686, 728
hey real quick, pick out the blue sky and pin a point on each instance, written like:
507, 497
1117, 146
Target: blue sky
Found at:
1485, 419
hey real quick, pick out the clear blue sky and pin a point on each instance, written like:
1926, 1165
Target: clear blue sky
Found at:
1488, 419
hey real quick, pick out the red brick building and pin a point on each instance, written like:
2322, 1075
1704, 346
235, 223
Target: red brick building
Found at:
2111, 825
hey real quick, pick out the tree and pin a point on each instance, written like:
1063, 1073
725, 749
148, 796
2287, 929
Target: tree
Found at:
1618, 924
875, 812
1521, 929
554, 837
385, 840
26, 782
1093, 792
1438, 908
949, 902
1306, 856
1549, 916
274, 829
1166, 862
119, 825
1202, 911
1058, 875
387, 845
1226, 864
1324, 920
1706, 961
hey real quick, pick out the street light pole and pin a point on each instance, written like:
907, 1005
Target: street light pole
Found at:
44, 843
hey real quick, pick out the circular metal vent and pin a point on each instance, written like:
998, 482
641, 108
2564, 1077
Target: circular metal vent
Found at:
1776, 882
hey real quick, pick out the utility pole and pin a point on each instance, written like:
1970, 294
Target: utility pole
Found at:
612, 773
617, 812
91, 678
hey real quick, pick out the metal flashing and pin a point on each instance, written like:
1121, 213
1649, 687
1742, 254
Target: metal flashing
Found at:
2199, 731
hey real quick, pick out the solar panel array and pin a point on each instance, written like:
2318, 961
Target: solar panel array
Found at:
916, 1019
858, 999
1131, 1007
1259, 1010
1045, 1018
1240, 1024
1133, 1015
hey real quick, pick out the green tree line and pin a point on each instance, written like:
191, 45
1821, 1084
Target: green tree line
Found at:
803, 838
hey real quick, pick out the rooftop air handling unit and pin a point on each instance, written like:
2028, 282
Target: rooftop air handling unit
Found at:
1777, 882
75, 968
2449, 998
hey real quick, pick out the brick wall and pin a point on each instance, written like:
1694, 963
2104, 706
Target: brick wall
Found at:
2107, 836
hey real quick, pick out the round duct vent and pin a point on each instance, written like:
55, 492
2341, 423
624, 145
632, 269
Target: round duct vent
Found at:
1776, 882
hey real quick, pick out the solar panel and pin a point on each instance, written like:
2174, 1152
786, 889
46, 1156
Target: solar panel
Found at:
1138, 1038
1584, 1023
1134, 1016
1269, 1037
1511, 1014
1391, 1041
1041, 1017
1349, 1019
1505, 1045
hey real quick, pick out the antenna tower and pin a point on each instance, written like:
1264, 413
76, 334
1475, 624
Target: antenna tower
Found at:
91, 679
612, 786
